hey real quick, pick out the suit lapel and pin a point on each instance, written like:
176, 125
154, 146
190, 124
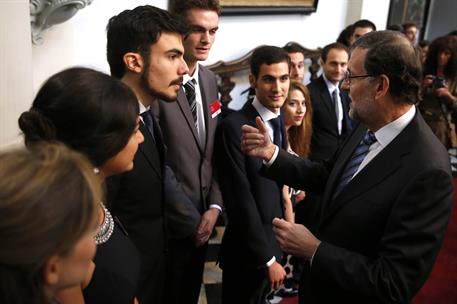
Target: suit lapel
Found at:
328, 102
160, 146
347, 122
387, 162
339, 165
149, 150
374, 173
185, 110
204, 88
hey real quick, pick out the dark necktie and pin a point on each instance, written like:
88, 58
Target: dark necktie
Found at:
149, 122
190, 94
357, 157
335, 102
276, 126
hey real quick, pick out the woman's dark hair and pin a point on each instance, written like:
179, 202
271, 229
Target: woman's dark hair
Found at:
87, 110
438, 45
49, 198
346, 35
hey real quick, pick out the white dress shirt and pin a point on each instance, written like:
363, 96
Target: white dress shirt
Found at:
266, 115
385, 135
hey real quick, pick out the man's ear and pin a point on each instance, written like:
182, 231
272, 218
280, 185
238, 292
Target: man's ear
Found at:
51, 271
321, 62
382, 87
133, 62
252, 81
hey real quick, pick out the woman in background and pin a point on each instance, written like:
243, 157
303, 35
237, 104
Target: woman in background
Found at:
346, 36
49, 199
439, 89
96, 115
297, 114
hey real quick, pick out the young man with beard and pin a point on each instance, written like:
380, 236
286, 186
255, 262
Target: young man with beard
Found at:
387, 193
145, 51
249, 255
189, 127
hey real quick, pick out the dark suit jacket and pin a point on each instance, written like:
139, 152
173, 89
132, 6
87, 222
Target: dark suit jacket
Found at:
380, 236
251, 201
143, 199
325, 139
191, 161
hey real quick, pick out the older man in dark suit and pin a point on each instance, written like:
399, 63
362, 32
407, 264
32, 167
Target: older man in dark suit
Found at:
386, 195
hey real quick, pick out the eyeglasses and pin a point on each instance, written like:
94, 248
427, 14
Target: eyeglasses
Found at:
347, 77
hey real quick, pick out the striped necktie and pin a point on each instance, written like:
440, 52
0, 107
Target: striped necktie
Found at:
353, 165
190, 94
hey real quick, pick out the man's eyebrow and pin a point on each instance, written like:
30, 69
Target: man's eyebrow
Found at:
176, 51
201, 28
274, 77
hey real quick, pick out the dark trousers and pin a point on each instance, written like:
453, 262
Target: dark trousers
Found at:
185, 264
244, 285
152, 283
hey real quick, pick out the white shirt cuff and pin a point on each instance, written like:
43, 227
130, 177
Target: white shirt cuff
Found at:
273, 158
215, 206
270, 262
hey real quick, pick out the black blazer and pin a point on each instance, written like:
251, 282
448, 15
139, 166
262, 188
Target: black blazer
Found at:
251, 201
380, 236
325, 139
144, 199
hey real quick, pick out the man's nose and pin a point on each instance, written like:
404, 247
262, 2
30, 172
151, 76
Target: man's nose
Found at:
183, 69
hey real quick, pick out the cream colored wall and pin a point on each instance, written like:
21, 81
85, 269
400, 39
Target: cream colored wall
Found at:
15, 67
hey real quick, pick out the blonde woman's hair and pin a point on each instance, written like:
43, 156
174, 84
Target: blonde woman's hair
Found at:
49, 198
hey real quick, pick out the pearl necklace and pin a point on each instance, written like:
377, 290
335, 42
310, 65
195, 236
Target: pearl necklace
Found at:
106, 229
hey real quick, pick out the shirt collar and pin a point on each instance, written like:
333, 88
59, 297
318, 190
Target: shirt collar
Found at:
331, 87
188, 77
264, 113
142, 107
387, 133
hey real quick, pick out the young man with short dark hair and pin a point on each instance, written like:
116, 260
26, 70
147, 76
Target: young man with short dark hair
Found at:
249, 255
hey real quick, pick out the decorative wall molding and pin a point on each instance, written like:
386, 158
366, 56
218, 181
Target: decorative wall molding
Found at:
46, 13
